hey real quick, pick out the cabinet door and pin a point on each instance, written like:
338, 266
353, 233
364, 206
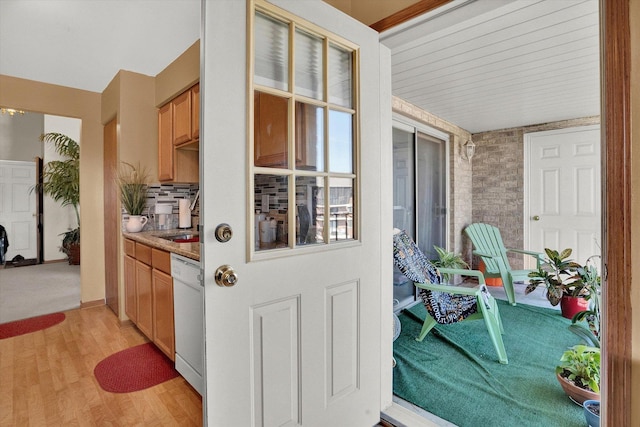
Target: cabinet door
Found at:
165, 143
144, 299
163, 329
182, 118
195, 112
130, 303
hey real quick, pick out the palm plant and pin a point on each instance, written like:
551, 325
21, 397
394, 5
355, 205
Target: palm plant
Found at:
61, 180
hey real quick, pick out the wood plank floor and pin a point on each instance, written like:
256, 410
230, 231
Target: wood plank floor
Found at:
46, 379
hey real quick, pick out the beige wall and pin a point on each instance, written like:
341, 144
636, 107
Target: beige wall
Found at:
63, 101
635, 211
180, 75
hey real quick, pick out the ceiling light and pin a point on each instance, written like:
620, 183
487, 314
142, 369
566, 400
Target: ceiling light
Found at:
11, 111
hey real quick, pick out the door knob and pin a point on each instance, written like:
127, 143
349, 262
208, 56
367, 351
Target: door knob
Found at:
225, 276
536, 218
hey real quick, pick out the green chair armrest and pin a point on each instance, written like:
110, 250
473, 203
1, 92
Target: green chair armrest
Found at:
463, 272
478, 253
534, 254
459, 290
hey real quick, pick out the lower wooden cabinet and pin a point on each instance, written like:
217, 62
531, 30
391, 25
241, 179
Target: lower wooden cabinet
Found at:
149, 294
163, 329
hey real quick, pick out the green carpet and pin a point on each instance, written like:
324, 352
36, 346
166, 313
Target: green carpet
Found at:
454, 373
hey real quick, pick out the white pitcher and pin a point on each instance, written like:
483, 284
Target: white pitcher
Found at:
135, 223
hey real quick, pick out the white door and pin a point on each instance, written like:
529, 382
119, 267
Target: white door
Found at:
562, 201
18, 207
297, 340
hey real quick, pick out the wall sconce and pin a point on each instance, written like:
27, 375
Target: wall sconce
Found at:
467, 150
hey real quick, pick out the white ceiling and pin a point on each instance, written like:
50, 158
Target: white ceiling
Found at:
494, 64
83, 44
480, 64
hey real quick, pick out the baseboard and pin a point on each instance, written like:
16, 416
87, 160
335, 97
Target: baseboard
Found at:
55, 261
90, 304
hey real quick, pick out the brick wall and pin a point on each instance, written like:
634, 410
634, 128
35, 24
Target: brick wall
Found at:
498, 179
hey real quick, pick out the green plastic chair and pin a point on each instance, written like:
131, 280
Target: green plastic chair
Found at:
446, 304
488, 245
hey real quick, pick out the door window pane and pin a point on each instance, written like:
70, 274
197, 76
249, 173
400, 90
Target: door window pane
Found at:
340, 76
309, 210
271, 200
270, 119
340, 215
309, 65
271, 41
309, 137
340, 142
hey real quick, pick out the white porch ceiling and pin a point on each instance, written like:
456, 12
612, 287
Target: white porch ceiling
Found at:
494, 64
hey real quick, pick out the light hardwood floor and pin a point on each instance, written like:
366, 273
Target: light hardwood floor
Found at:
46, 379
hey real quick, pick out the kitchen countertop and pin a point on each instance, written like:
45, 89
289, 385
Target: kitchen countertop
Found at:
154, 239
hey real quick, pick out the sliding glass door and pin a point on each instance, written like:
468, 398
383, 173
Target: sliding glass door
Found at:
419, 196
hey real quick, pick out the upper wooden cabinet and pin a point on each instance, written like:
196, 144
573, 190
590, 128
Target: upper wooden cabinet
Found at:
178, 138
195, 112
181, 105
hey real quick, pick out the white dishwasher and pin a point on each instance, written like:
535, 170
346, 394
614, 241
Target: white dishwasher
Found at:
188, 309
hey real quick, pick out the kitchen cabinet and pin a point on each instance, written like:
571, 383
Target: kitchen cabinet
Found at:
149, 293
163, 326
178, 138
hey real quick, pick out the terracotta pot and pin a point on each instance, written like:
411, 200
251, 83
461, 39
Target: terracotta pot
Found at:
577, 394
571, 305
74, 254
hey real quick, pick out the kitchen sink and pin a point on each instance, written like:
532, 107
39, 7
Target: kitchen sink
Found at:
182, 238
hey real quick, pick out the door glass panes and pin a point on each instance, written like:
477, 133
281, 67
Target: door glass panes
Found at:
340, 76
340, 216
340, 142
271, 47
271, 202
270, 131
304, 135
309, 137
309, 210
309, 65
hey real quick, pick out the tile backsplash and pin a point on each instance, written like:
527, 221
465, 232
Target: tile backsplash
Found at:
162, 194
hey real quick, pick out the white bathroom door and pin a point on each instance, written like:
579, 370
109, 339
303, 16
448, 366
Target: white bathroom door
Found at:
18, 207
297, 339
563, 200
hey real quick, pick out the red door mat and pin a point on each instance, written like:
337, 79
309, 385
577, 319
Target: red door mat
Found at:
20, 327
134, 369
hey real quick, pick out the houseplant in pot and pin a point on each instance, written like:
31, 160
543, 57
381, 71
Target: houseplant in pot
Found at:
592, 412
590, 278
132, 182
447, 259
579, 373
563, 284
61, 181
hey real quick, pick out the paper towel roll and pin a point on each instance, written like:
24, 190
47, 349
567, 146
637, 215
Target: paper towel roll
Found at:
184, 214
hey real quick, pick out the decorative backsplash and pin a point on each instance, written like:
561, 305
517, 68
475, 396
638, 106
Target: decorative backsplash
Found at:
167, 194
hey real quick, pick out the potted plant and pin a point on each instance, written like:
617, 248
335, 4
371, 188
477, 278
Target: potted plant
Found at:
579, 373
132, 182
559, 275
592, 412
590, 278
61, 181
447, 259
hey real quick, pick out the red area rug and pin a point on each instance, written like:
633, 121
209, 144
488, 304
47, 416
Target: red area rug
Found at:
134, 369
20, 327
